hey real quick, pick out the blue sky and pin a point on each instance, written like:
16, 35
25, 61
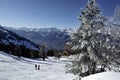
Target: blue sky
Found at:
47, 13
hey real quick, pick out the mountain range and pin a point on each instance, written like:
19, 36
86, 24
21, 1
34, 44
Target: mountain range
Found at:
14, 44
52, 38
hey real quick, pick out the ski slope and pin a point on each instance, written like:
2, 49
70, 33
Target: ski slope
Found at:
14, 68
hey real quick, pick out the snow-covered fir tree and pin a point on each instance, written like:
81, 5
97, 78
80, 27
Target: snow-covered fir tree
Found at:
113, 40
117, 15
114, 23
91, 42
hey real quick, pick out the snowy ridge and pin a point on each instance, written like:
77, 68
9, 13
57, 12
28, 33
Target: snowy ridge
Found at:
8, 37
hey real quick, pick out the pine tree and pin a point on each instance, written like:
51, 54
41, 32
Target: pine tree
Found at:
114, 42
115, 23
117, 15
43, 52
19, 50
92, 23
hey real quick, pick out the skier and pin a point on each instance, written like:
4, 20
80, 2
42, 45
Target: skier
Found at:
35, 66
38, 67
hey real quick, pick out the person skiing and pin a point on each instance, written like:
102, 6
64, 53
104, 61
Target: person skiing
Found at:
38, 67
35, 66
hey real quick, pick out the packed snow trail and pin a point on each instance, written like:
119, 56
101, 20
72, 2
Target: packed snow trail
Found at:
14, 68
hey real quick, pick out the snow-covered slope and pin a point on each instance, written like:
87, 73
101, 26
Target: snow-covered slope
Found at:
14, 44
14, 68
104, 76
8, 37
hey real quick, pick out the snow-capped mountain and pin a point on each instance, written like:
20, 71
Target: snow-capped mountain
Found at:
51, 37
11, 42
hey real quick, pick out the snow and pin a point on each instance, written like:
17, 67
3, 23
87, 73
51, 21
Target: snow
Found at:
5, 42
14, 68
104, 76
9, 38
